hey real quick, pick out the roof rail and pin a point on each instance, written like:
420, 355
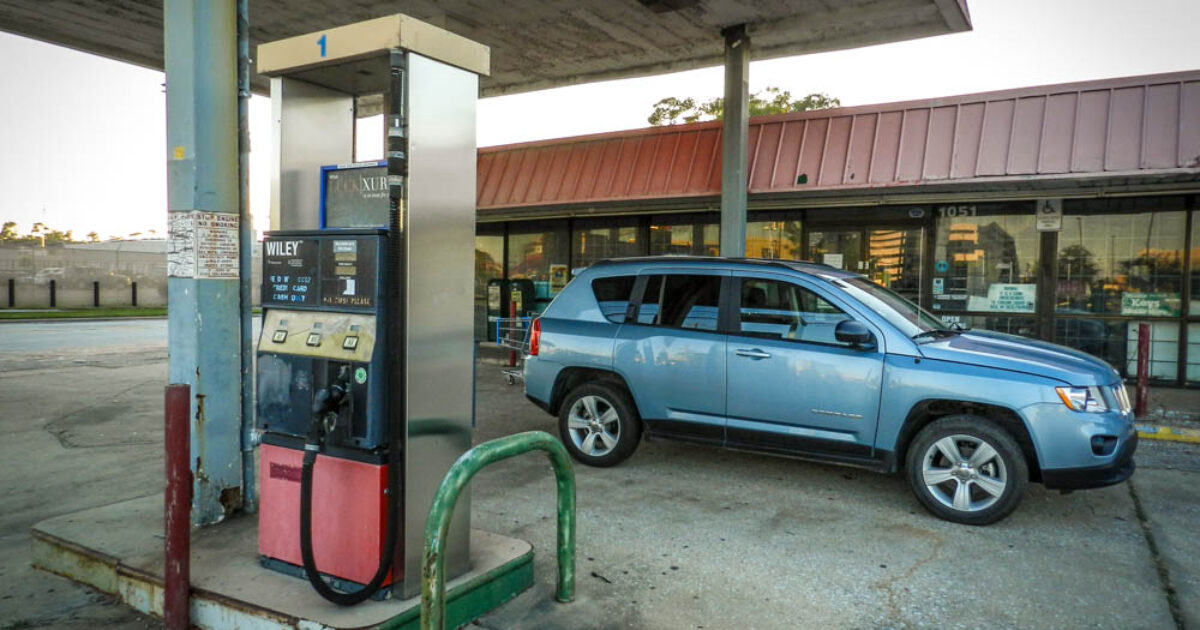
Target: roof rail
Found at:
766, 262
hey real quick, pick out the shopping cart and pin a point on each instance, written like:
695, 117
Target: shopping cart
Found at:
513, 333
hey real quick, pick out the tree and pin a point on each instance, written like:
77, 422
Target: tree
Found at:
55, 237
772, 100
93, 237
39, 235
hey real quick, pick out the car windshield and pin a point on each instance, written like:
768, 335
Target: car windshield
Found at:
911, 319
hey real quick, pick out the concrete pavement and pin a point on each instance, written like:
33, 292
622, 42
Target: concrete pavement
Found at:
679, 536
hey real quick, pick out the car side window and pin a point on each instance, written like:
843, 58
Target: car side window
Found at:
612, 294
681, 301
781, 310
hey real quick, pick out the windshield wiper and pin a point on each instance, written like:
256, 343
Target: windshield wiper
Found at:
937, 332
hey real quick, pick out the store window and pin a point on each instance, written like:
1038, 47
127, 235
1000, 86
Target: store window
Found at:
1121, 264
1192, 371
1023, 326
489, 264
1121, 257
694, 235
986, 259
1193, 354
489, 261
1194, 254
1164, 349
594, 240
776, 237
539, 253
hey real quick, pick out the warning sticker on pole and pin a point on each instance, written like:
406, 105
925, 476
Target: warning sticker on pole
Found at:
202, 245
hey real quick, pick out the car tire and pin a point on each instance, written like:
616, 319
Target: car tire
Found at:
967, 469
599, 425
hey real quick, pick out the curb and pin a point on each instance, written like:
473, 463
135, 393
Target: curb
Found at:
44, 320
1168, 434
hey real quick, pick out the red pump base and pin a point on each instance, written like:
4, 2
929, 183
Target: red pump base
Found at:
349, 513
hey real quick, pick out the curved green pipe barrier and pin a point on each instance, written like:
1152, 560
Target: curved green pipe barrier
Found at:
433, 573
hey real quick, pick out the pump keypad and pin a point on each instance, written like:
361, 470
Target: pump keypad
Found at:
341, 336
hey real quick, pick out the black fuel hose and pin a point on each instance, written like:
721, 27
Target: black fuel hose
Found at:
313, 446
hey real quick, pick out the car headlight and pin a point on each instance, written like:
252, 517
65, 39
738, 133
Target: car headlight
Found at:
1087, 399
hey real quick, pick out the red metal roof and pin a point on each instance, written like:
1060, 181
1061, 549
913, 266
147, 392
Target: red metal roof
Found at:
1132, 125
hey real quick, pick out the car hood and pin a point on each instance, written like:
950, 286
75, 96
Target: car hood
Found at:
1021, 354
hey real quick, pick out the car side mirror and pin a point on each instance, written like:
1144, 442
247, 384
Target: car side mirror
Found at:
854, 333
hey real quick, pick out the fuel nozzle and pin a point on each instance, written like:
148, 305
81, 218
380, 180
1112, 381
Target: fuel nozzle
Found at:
330, 398
326, 402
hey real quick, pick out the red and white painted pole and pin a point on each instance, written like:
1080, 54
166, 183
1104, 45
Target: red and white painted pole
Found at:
176, 576
512, 314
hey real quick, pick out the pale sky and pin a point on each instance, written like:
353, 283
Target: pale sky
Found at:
82, 137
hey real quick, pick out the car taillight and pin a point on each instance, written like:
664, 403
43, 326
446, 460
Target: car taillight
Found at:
535, 337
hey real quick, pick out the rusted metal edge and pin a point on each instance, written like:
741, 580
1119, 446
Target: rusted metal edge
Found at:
131, 574
64, 558
143, 590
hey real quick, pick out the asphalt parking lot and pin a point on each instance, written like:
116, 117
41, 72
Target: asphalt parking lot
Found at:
679, 536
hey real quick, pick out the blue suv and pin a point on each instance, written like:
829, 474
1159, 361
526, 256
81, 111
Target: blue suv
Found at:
806, 360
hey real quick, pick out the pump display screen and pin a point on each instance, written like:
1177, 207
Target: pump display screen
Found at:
331, 269
348, 272
354, 196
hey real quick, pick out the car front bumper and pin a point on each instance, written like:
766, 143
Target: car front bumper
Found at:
1119, 469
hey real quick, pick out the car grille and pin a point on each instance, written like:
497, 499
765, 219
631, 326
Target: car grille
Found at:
1122, 397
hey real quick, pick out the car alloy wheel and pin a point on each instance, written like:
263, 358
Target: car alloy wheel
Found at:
964, 473
594, 425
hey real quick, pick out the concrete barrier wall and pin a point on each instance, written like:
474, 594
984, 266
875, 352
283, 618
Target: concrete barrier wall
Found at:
117, 266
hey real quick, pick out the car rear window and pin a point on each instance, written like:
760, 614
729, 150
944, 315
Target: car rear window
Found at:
613, 296
682, 301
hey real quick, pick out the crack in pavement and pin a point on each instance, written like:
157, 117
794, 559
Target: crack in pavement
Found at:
64, 434
1164, 576
888, 584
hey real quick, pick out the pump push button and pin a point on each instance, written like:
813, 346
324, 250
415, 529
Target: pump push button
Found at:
279, 336
350, 343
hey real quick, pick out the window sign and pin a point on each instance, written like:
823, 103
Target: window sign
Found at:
1049, 215
980, 249
493, 297
835, 260
951, 320
1150, 304
558, 277
1006, 298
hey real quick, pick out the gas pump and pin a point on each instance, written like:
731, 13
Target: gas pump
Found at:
365, 362
322, 391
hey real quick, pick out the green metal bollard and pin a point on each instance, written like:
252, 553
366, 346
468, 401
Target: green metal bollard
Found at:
433, 572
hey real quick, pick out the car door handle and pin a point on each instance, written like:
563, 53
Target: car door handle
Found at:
753, 353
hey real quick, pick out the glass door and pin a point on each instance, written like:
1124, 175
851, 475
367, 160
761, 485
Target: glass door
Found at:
888, 256
837, 248
893, 259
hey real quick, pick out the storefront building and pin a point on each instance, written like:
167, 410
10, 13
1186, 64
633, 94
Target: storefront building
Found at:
1069, 213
